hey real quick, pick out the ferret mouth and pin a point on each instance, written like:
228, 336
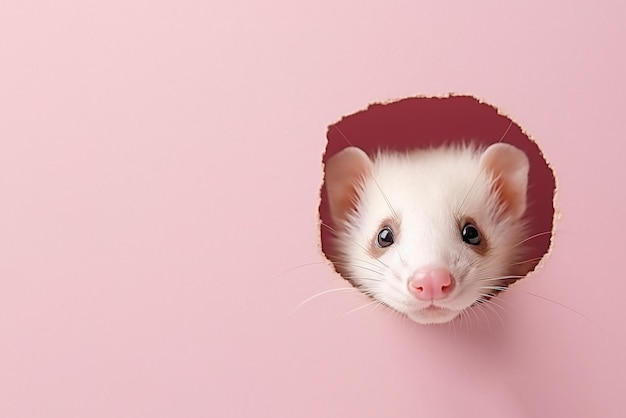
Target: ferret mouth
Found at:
434, 308
432, 314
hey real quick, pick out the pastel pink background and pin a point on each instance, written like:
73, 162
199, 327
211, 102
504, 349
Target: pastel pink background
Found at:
160, 168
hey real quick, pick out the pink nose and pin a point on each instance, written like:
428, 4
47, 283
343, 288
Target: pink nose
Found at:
431, 284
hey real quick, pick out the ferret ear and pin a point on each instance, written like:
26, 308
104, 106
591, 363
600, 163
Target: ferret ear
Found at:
509, 167
343, 175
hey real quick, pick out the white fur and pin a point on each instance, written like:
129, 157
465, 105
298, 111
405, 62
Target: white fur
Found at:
428, 190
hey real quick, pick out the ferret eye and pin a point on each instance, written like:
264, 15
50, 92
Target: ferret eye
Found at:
385, 237
471, 234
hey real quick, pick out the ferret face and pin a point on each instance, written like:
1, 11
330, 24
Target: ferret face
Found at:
432, 232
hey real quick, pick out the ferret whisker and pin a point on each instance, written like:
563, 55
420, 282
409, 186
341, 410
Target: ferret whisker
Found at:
488, 304
290, 270
469, 309
369, 279
351, 240
460, 209
378, 276
454, 328
499, 300
464, 316
480, 173
498, 288
480, 308
526, 261
563, 306
379, 273
326, 292
508, 128
326, 263
393, 212
367, 262
496, 278
370, 268
380, 306
499, 266
492, 301
394, 312
463, 313
374, 302
352, 279
532, 237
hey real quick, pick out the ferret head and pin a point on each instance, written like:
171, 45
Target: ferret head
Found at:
432, 232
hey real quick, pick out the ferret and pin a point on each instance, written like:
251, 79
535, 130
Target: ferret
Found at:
429, 232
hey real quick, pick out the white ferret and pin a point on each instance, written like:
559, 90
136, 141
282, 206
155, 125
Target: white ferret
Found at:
431, 232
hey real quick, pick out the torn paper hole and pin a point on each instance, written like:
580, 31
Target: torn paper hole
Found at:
423, 122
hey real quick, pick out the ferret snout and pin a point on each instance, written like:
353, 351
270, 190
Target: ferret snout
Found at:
431, 284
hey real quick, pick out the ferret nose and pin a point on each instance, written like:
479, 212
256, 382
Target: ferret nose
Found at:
431, 284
